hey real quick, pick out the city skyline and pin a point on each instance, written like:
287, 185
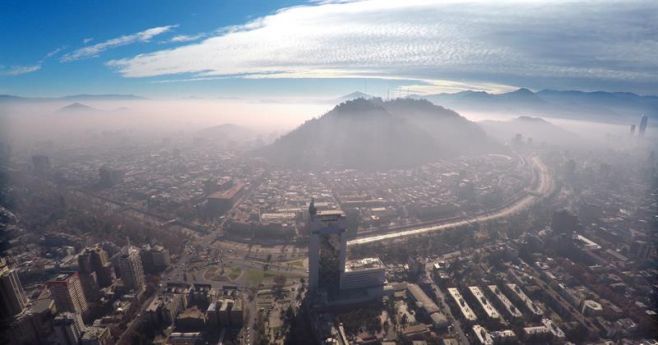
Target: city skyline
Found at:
337, 172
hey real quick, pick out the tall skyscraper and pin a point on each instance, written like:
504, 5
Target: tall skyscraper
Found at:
99, 257
105, 275
68, 328
84, 261
12, 296
132, 271
643, 124
327, 249
66, 289
88, 275
100, 263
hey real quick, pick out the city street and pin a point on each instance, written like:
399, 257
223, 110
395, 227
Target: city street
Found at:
543, 188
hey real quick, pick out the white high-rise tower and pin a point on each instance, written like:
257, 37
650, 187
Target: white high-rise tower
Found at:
327, 249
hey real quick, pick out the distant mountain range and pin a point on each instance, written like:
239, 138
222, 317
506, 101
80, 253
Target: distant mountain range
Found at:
77, 108
601, 106
73, 98
373, 134
352, 96
619, 107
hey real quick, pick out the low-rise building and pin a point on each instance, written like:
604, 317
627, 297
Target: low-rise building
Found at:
363, 273
466, 311
191, 320
517, 293
508, 307
96, 336
482, 335
489, 310
186, 338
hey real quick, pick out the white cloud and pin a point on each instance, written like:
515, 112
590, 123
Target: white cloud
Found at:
186, 38
97, 49
25, 69
19, 70
51, 54
429, 87
504, 42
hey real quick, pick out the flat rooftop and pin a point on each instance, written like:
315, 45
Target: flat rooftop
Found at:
588, 243
61, 278
511, 309
328, 214
483, 335
420, 296
525, 299
466, 310
364, 264
484, 302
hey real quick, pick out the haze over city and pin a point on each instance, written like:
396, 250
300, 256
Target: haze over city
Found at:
328, 172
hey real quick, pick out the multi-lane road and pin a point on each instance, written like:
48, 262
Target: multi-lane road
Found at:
543, 187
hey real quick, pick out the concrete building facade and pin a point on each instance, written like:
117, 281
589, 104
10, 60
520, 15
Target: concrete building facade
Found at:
132, 271
12, 296
327, 249
66, 290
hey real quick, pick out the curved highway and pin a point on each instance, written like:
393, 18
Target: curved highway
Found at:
544, 187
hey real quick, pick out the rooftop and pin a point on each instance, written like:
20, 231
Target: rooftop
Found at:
420, 296
62, 278
505, 301
330, 214
484, 302
364, 264
94, 332
465, 308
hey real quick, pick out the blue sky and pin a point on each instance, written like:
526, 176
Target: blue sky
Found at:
296, 49
29, 30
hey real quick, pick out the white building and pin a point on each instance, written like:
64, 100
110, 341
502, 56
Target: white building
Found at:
363, 273
465, 309
482, 335
488, 308
509, 307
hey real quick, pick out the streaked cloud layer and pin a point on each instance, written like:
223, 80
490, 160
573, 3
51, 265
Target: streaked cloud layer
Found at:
19, 70
97, 49
26, 69
505, 42
186, 38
